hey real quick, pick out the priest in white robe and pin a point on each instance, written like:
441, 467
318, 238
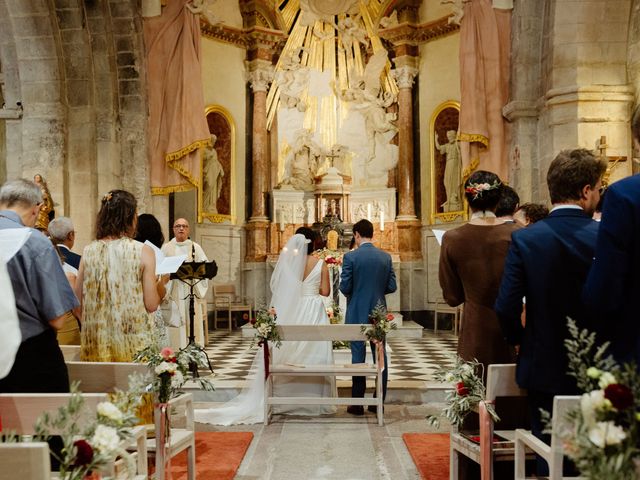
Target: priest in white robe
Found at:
177, 290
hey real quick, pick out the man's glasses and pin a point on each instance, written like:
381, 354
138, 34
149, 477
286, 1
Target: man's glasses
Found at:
180, 226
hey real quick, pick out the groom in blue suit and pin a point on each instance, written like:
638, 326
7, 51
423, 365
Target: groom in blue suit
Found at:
367, 276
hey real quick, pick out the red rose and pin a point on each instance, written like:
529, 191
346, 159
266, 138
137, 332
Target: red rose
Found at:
84, 453
253, 321
461, 389
330, 260
390, 316
619, 395
173, 360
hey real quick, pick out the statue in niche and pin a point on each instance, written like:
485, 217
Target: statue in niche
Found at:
213, 175
301, 165
292, 79
46, 212
452, 171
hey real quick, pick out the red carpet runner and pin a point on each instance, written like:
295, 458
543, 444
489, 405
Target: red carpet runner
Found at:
430, 453
218, 456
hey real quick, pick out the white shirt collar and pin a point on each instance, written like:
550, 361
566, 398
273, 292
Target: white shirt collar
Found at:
483, 214
571, 206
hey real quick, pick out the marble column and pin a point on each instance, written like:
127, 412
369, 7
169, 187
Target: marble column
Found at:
406, 221
260, 74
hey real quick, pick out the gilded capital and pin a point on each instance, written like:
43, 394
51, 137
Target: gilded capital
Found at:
260, 75
404, 75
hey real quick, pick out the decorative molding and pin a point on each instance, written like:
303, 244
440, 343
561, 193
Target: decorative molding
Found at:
248, 38
404, 76
259, 74
417, 34
516, 109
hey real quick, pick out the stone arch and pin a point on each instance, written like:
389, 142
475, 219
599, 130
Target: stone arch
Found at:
79, 70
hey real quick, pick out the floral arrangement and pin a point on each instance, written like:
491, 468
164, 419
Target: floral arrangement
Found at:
88, 449
333, 258
469, 391
476, 189
380, 323
336, 317
603, 442
265, 325
171, 369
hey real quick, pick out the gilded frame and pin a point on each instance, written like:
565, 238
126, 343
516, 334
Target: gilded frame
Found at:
229, 216
435, 181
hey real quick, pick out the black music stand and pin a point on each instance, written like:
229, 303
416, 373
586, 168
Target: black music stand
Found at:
192, 273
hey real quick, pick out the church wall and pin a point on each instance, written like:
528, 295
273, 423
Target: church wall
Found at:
439, 81
224, 80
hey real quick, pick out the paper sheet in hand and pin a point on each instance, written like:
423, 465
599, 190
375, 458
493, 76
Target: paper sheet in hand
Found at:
11, 240
165, 264
438, 234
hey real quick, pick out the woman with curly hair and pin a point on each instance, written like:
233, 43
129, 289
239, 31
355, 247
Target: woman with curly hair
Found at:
116, 285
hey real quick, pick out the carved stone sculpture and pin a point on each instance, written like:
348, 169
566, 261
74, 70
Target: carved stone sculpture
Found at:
312, 10
292, 79
301, 165
213, 176
46, 212
452, 172
389, 21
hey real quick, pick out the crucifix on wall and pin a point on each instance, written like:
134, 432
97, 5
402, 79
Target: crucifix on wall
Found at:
612, 161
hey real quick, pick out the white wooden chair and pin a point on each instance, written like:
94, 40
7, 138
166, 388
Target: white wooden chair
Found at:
554, 453
26, 461
71, 353
181, 438
226, 300
442, 307
21, 410
501, 382
325, 333
107, 376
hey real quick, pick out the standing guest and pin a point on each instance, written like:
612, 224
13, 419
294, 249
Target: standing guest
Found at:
69, 333
471, 262
597, 214
614, 281
177, 290
529, 213
42, 296
149, 229
367, 276
508, 204
9, 322
548, 264
117, 285
63, 235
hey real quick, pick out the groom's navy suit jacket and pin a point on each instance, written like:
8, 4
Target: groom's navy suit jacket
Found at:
614, 280
548, 264
367, 276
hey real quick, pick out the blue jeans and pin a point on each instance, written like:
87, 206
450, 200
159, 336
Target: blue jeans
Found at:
358, 355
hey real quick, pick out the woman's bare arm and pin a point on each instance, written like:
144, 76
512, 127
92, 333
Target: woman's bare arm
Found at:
325, 287
149, 288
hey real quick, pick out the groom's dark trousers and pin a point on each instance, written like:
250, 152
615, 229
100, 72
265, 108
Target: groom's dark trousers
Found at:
358, 354
367, 276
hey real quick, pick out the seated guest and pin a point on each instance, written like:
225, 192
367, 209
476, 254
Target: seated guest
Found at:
529, 213
63, 236
508, 204
548, 264
116, 285
42, 296
471, 261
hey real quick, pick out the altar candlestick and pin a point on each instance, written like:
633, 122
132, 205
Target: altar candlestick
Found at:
381, 220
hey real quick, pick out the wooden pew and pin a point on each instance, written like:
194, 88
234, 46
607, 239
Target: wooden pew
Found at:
326, 333
26, 461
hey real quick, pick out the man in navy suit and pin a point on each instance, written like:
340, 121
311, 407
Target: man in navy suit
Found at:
548, 264
63, 236
367, 276
614, 279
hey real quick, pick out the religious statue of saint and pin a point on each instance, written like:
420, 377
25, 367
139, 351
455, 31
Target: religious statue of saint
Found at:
213, 176
452, 172
292, 78
46, 213
301, 164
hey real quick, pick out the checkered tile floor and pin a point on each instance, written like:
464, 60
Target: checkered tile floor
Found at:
412, 359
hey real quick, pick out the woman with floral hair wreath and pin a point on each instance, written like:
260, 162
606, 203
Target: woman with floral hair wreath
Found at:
471, 262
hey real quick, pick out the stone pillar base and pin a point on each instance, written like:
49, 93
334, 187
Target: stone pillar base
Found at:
409, 239
256, 241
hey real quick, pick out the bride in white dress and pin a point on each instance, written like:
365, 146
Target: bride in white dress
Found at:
297, 284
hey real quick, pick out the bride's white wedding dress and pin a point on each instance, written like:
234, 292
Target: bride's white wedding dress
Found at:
297, 302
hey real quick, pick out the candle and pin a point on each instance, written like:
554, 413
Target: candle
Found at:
382, 219
369, 211
282, 220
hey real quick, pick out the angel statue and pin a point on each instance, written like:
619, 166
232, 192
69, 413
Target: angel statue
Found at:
292, 78
368, 99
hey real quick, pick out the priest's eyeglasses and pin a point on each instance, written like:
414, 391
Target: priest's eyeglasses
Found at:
179, 226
